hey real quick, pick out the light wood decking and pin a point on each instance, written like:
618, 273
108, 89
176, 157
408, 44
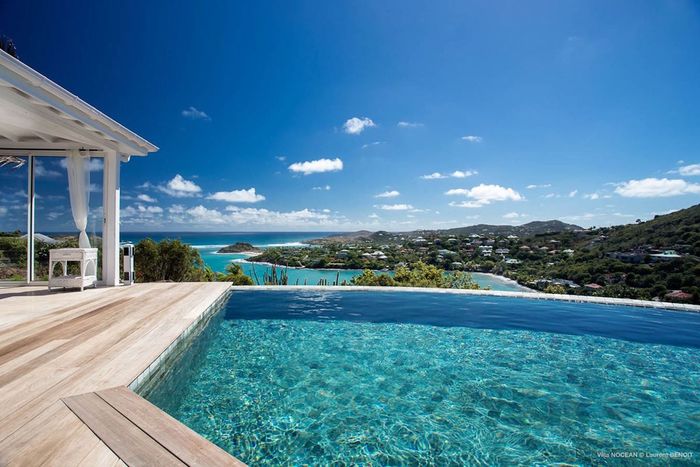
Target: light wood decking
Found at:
65, 362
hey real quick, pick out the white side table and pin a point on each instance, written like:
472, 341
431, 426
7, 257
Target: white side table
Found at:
87, 257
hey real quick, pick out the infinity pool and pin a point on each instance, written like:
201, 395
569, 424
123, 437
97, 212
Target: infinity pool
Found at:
381, 378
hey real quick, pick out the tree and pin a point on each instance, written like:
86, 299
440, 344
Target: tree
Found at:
234, 273
169, 260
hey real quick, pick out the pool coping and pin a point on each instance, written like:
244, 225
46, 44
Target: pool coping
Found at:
487, 293
147, 378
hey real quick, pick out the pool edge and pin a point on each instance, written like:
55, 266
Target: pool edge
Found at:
488, 293
148, 376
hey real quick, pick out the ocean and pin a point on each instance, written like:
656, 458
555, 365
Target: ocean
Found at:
208, 243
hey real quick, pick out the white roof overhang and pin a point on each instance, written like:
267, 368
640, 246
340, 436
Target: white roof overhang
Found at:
39, 117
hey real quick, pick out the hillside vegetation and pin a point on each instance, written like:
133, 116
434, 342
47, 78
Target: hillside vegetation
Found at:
630, 261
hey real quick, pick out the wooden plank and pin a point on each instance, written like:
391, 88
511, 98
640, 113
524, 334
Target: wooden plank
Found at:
177, 438
128, 442
100, 455
79, 348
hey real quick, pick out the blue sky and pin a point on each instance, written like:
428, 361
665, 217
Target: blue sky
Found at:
391, 115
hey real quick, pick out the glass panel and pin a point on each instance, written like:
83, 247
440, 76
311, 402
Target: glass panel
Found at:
13, 220
54, 225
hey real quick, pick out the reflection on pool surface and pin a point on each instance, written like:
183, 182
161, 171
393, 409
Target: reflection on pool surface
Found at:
421, 378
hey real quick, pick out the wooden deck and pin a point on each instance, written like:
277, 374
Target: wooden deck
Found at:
65, 361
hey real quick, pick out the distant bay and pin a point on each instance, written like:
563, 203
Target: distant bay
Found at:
208, 243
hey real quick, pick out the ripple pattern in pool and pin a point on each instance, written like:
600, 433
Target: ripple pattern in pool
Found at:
321, 390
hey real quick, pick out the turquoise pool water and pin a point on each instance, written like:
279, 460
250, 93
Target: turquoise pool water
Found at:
281, 378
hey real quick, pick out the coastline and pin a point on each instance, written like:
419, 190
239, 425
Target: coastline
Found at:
505, 280
502, 279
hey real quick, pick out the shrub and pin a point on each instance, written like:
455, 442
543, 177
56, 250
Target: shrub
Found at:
169, 260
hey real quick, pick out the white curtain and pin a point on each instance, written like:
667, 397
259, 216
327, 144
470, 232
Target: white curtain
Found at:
79, 188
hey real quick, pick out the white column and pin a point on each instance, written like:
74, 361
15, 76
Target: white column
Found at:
110, 224
30, 218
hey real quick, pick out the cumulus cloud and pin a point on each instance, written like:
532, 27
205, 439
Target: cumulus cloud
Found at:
195, 114
355, 125
483, 194
434, 176
656, 188
179, 187
146, 198
514, 215
237, 196
40, 170
403, 124
317, 166
395, 207
455, 174
254, 216
689, 170
472, 138
388, 194
149, 209
591, 196
463, 173
573, 193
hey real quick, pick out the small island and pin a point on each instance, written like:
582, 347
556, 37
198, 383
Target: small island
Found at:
240, 247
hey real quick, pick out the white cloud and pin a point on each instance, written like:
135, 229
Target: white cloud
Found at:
592, 196
434, 176
514, 215
689, 170
388, 194
394, 207
203, 215
455, 174
403, 124
463, 173
533, 187
355, 126
149, 209
317, 166
573, 193
3, 210
373, 216
373, 143
551, 195
195, 114
322, 188
237, 196
483, 194
40, 170
281, 158
656, 188
146, 198
472, 138
181, 188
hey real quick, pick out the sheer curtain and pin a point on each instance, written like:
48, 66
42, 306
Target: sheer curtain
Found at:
79, 188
